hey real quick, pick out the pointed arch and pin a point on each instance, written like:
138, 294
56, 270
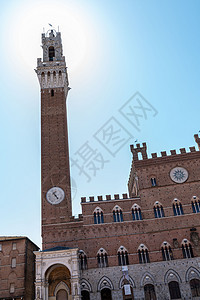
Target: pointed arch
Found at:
192, 273
103, 283
98, 215
117, 214
136, 212
172, 275
130, 279
166, 251
177, 207
82, 260
61, 286
158, 210
102, 258
195, 201
187, 249
147, 278
85, 285
143, 254
122, 254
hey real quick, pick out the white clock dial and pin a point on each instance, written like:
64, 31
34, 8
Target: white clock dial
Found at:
179, 174
55, 195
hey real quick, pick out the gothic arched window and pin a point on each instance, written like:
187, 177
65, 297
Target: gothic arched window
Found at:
153, 181
177, 207
136, 212
143, 254
122, 254
158, 210
82, 260
102, 258
166, 251
174, 290
195, 204
85, 295
98, 216
106, 294
117, 214
187, 249
195, 287
149, 292
51, 53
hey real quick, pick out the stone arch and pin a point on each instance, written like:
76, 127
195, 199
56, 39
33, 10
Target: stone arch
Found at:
157, 204
51, 266
105, 282
117, 208
147, 278
12, 277
61, 286
172, 275
97, 209
135, 206
130, 279
85, 285
56, 276
192, 273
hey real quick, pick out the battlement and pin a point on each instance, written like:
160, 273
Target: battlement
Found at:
143, 150
107, 198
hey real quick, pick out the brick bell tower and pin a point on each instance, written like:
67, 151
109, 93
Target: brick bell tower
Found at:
55, 169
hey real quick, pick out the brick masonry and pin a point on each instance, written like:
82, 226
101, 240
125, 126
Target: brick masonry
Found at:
22, 275
60, 228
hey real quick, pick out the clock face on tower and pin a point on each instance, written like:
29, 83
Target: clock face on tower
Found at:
179, 174
55, 195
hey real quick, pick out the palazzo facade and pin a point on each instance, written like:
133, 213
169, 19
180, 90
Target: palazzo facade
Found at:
141, 245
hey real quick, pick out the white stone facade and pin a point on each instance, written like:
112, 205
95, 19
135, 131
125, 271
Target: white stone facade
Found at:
46, 261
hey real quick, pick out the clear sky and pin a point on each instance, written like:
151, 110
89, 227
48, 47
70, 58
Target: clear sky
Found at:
113, 50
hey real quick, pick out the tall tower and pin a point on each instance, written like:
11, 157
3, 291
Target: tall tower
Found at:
55, 169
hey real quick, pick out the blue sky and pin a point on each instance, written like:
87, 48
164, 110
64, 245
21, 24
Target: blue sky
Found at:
113, 49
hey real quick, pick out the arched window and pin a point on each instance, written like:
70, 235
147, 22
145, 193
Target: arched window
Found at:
136, 212
174, 290
82, 260
102, 258
122, 254
187, 249
85, 295
117, 214
158, 210
153, 181
106, 294
195, 287
177, 207
143, 254
166, 251
98, 216
51, 53
195, 204
149, 292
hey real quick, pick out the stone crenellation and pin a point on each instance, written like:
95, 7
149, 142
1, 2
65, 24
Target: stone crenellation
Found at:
144, 156
107, 198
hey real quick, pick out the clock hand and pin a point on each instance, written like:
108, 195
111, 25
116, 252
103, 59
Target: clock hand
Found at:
54, 193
